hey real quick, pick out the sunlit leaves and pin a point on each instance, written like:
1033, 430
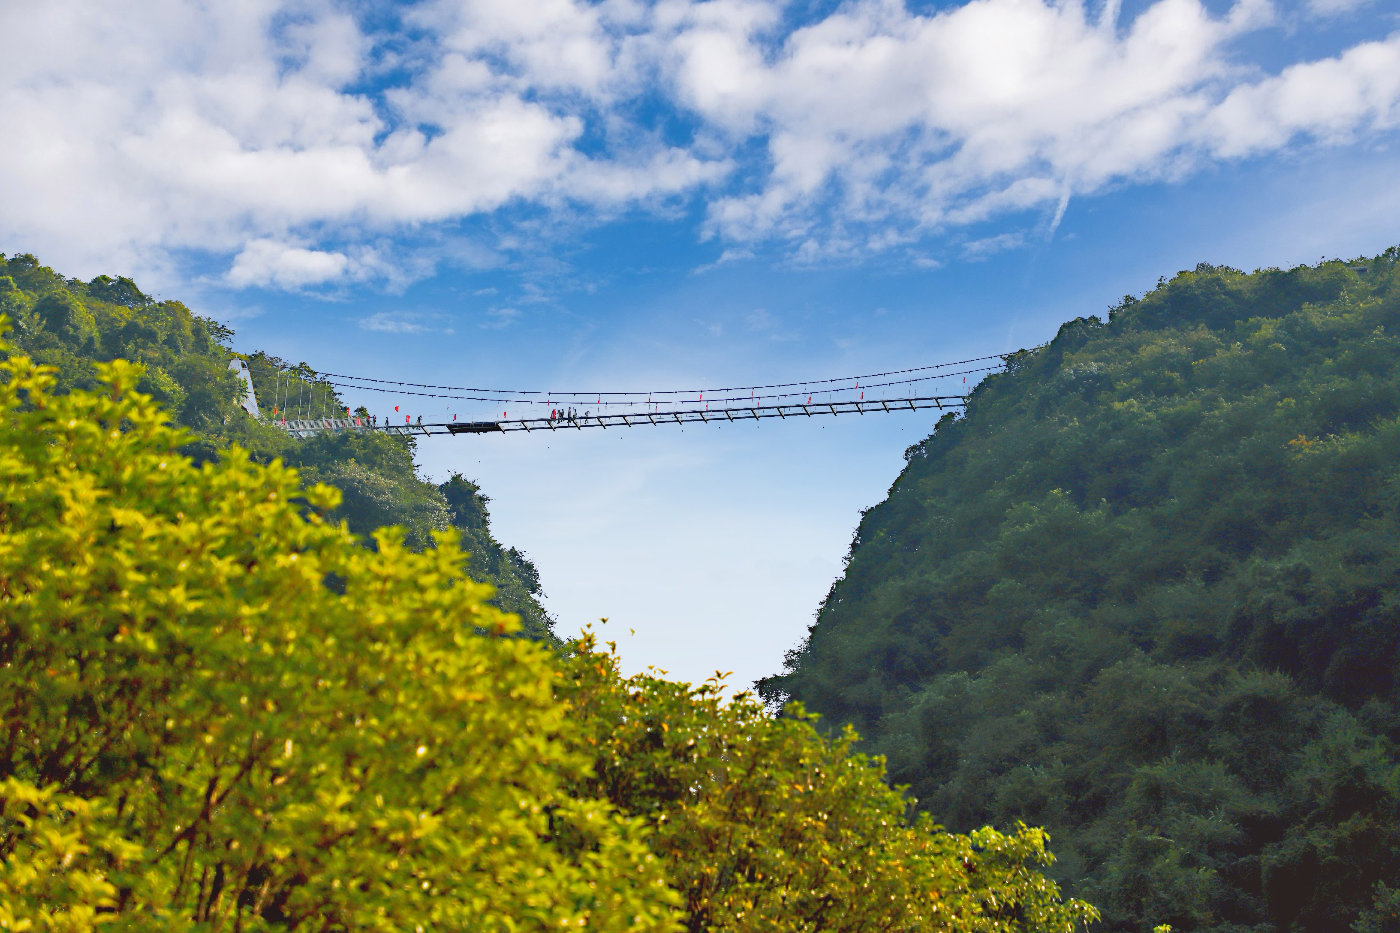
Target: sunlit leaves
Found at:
222, 712
260, 747
767, 826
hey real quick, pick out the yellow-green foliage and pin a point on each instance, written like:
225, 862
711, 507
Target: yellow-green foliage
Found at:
221, 713
47, 880
283, 726
767, 826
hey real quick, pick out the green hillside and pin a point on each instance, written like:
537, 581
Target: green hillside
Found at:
224, 712
1146, 594
72, 325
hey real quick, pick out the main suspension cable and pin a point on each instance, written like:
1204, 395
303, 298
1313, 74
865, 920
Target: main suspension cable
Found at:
635, 398
495, 393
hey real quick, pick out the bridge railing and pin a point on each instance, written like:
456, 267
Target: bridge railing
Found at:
630, 419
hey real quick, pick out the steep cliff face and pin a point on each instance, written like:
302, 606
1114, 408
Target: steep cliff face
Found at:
1147, 594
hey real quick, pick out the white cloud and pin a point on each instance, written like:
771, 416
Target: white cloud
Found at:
248, 130
1331, 99
556, 44
266, 262
877, 114
198, 127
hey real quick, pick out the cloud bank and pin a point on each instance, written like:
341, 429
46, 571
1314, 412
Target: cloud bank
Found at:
283, 138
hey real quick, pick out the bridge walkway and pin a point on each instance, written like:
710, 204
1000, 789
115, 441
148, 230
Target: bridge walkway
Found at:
629, 419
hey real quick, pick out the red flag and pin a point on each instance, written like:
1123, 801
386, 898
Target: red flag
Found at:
396, 408
405, 417
454, 417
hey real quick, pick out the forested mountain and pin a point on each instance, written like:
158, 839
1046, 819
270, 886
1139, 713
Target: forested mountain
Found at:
72, 325
1146, 594
222, 712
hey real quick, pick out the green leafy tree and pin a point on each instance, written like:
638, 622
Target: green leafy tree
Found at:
1144, 594
223, 713
767, 826
268, 749
73, 326
64, 315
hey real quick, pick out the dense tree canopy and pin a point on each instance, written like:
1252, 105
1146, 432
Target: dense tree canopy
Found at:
1146, 594
765, 826
73, 326
201, 729
223, 713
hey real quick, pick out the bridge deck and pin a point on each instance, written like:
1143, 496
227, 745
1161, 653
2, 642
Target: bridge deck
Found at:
630, 419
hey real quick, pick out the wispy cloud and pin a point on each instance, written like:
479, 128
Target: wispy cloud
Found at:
405, 322
763, 322
732, 254
268, 139
990, 246
712, 328
498, 318
759, 319
1335, 7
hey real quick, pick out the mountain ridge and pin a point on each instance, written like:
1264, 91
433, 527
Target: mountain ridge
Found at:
1145, 594
71, 325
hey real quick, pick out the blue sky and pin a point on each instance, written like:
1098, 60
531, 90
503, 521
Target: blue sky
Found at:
555, 194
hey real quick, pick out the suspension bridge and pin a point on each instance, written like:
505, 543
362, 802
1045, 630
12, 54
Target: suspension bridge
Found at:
633, 419
546, 411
